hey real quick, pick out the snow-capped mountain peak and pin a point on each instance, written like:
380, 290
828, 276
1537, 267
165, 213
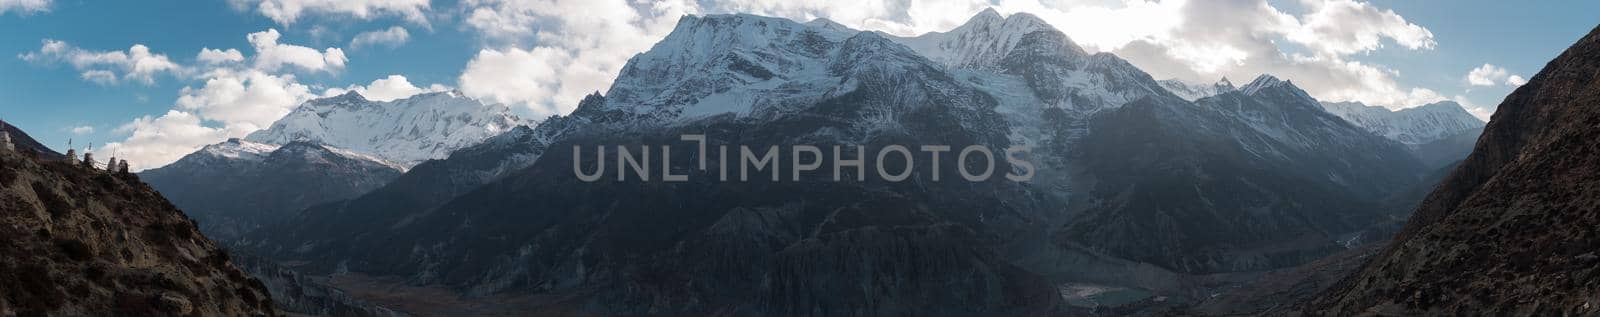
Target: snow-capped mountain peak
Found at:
715, 56
1192, 91
1416, 125
235, 148
405, 131
1267, 86
1265, 81
982, 41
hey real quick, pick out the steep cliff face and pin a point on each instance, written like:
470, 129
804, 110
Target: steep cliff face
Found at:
80, 242
301, 294
1510, 231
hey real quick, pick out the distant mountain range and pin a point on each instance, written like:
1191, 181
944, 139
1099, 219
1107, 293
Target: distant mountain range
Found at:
1417, 125
1439, 133
326, 150
406, 131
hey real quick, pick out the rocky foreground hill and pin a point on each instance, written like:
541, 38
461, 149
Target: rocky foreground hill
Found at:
82, 242
1512, 230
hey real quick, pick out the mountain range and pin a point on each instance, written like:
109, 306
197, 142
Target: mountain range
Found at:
403, 132
326, 150
1137, 187
1439, 133
1145, 197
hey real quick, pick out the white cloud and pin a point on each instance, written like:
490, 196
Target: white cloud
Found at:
215, 56
24, 6
1242, 39
1486, 75
1490, 75
391, 37
231, 103
514, 76
582, 46
103, 77
288, 11
1342, 27
157, 141
137, 63
386, 89
1515, 81
81, 130
243, 99
271, 55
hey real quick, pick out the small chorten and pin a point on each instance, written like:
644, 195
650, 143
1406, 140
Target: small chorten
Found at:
111, 163
5, 139
88, 160
122, 166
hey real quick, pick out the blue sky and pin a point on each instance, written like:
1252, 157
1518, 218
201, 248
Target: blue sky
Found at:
542, 57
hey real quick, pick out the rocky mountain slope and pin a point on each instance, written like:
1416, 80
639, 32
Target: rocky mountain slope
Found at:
80, 242
297, 293
1449, 150
1511, 231
236, 186
23, 142
1205, 188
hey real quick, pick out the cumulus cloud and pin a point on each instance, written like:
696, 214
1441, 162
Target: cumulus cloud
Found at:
514, 76
1515, 81
243, 99
582, 45
271, 55
215, 56
81, 130
386, 89
1242, 39
286, 12
137, 63
230, 104
24, 6
156, 141
1490, 75
391, 37
1486, 75
1342, 27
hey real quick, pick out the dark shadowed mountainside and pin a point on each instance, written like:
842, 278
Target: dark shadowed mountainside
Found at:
1512, 230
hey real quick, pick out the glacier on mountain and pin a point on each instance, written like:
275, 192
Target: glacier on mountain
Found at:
405, 131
